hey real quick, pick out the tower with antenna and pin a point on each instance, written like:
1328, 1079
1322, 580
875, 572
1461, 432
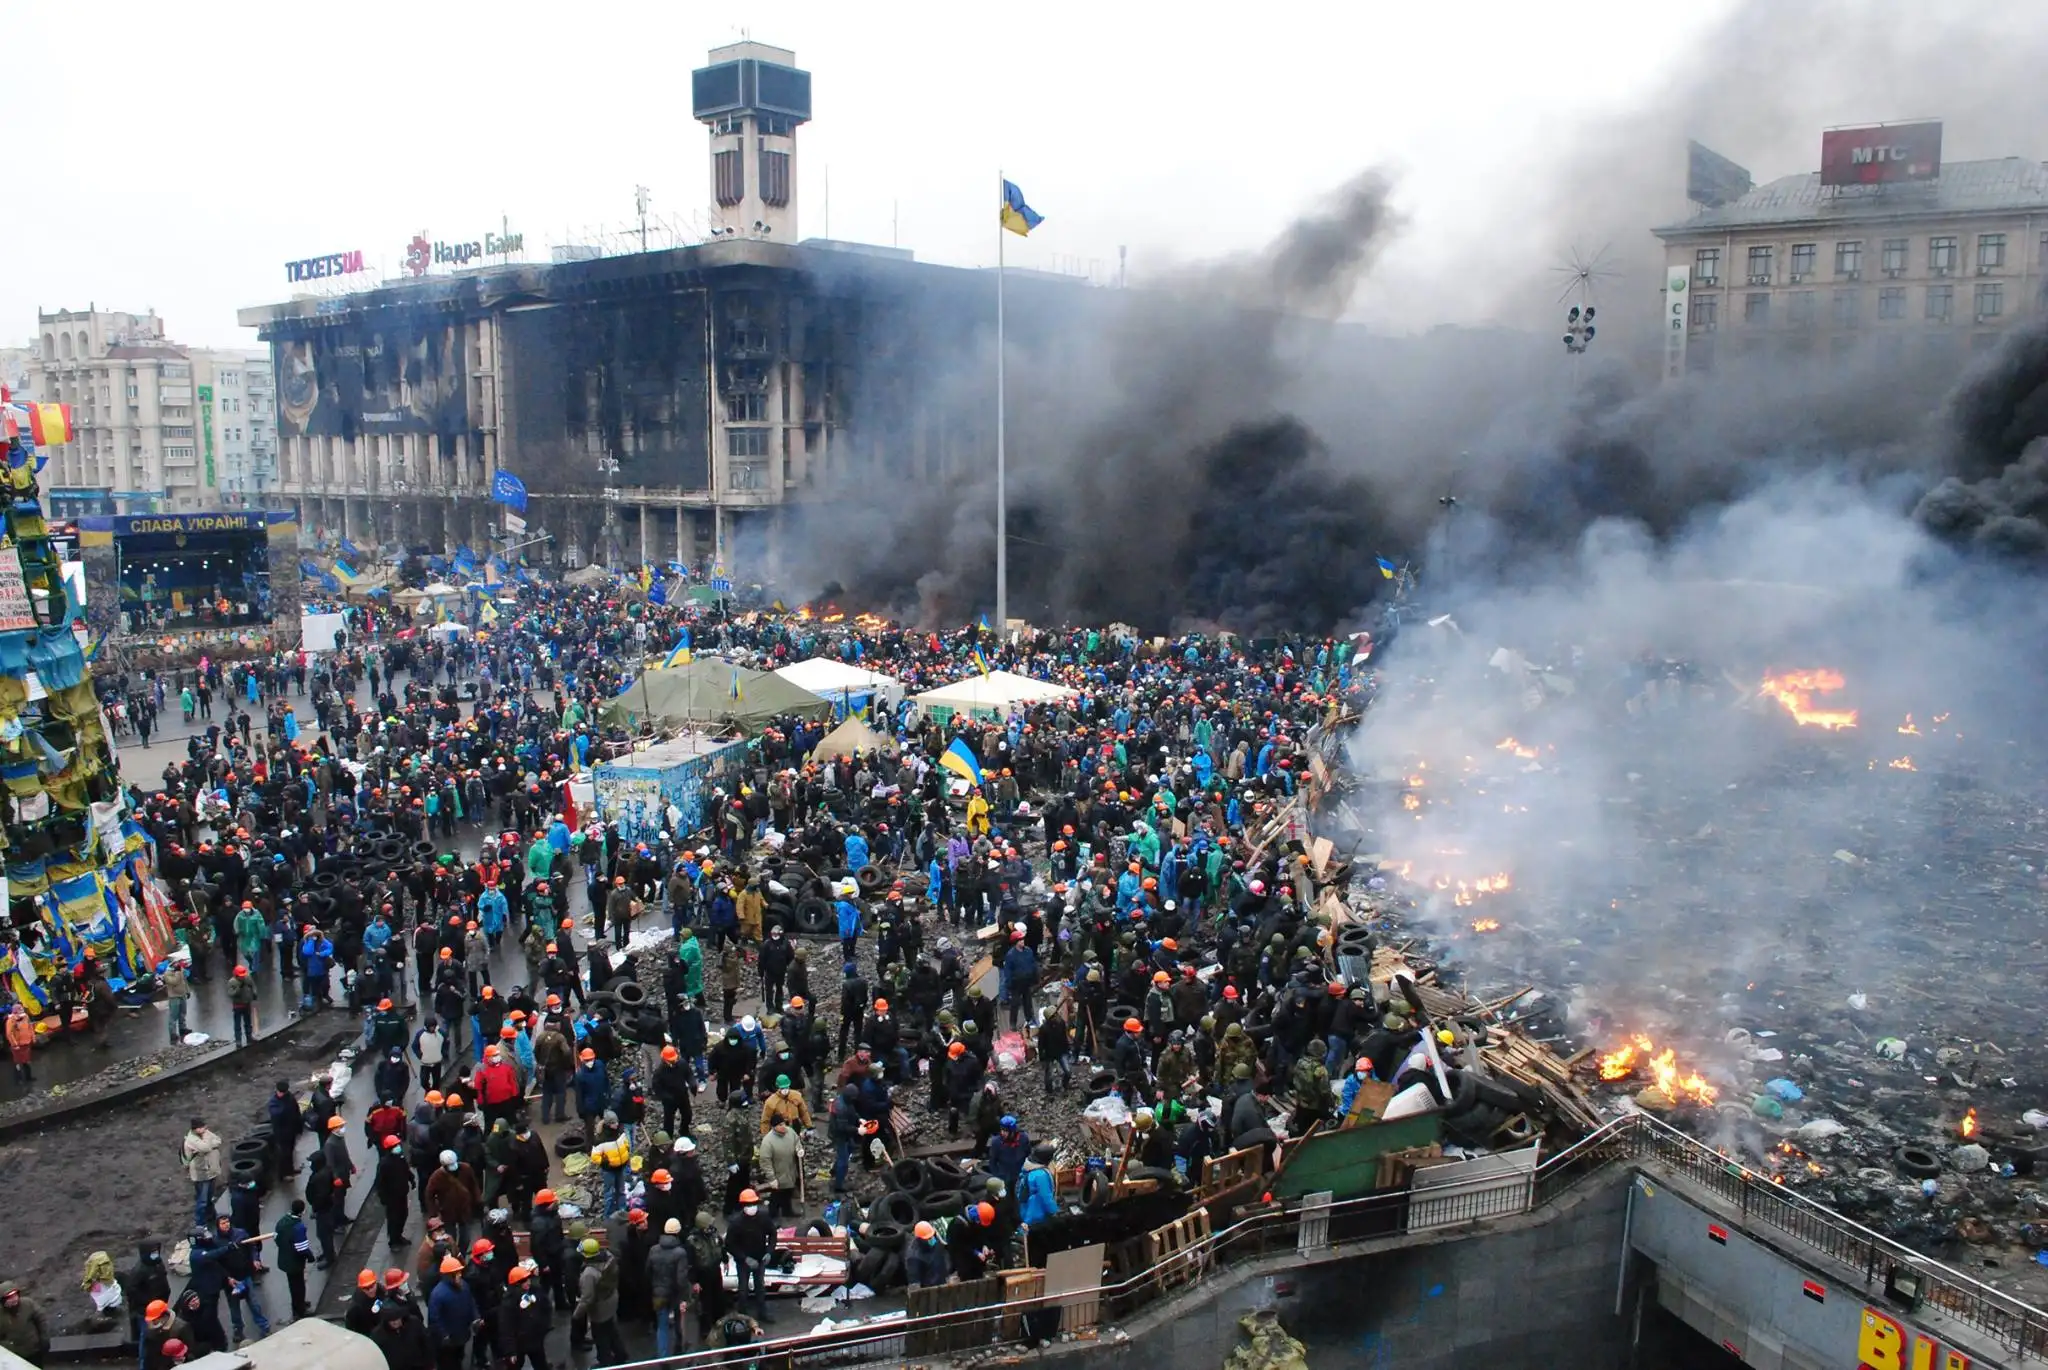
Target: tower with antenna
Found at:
752, 97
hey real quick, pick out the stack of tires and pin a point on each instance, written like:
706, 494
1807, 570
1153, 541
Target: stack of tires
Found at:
920, 1190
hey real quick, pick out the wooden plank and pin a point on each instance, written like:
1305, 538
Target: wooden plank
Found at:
1076, 1276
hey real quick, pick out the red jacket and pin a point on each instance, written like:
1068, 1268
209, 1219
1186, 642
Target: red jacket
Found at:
496, 1083
385, 1121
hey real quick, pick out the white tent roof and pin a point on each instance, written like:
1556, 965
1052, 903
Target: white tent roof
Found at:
996, 690
821, 675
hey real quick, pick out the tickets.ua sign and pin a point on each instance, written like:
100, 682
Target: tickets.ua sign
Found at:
321, 268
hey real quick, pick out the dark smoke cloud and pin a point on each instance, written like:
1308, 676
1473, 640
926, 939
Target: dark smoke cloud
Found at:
1212, 449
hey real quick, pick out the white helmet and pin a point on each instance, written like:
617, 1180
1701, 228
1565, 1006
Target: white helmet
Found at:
747, 1024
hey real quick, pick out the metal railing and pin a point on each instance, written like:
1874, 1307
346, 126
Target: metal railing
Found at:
2016, 1325
1636, 1138
1344, 1222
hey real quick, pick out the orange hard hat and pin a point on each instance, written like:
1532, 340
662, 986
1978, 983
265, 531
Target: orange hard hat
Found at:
450, 1266
447, 953
518, 1274
334, 1123
748, 1196
1133, 1025
1160, 977
546, 1196
957, 1050
796, 1001
384, 1005
434, 1097
366, 1279
158, 1310
660, 1177
508, 1032
586, 1055
455, 1101
394, 1278
881, 1005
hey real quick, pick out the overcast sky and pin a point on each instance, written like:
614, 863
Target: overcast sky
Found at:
176, 157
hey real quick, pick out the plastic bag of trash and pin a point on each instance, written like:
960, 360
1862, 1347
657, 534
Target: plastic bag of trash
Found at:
1785, 1091
1109, 1109
1764, 1106
2034, 1118
1859, 1001
1010, 1051
1891, 1048
1820, 1129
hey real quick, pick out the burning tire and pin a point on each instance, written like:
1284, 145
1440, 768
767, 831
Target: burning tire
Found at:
1919, 1162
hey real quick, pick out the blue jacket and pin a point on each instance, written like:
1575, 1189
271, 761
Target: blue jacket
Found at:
1006, 1159
451, 1313
1020, 971
593, 1089
856, 851
849, 919
1039, 1202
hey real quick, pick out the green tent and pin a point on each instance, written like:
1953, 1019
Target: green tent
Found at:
701, 693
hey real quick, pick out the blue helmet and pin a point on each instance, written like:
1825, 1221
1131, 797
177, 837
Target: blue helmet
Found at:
1008, 1122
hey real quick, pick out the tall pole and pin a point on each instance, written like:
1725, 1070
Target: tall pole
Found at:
1002, 495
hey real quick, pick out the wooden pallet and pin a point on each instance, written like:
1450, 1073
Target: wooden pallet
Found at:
1510, 1053
1226, 1172
1163, 1244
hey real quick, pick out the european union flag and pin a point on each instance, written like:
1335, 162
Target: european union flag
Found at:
1017, 216
508, 489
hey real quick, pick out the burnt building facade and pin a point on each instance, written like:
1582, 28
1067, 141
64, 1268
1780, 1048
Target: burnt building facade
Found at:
660, 405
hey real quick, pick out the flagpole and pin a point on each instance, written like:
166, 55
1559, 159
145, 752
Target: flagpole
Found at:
1002, 494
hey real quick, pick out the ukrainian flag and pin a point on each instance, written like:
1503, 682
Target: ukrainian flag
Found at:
1017, 216
961, 761
980, 661
679, 655
1387, 568
735, 692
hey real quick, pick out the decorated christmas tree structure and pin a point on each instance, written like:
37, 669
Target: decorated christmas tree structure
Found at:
79, 870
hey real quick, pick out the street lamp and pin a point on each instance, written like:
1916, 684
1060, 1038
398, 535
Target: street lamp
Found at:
1578, 330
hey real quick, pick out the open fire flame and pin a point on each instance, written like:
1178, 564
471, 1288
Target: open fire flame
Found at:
1795, 690
1508, 744
1968, 1127
1641, 1056
1486, 925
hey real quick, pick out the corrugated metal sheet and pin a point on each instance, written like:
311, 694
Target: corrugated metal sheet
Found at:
2010, 183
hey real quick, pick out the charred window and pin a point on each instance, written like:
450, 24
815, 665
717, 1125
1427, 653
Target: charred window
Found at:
751, 408
774, 178
728, 177
746, 442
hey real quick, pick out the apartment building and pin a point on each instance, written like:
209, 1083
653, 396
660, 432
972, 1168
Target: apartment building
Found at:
1927, 269
160, 427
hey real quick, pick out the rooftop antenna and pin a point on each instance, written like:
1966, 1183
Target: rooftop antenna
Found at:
642, 196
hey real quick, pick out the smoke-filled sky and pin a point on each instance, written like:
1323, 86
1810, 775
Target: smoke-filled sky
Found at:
179, 162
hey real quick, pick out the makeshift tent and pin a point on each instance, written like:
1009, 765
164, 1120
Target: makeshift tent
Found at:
588, 575
989, 696
701, 692
852, 738
850, 687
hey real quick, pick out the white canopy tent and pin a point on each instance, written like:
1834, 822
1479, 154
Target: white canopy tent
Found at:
995, 693
837, 680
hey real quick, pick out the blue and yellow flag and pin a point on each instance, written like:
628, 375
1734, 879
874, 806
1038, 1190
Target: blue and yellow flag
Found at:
1017, 216
980, 661
679, 655
961, 761
736, 693
1387, 568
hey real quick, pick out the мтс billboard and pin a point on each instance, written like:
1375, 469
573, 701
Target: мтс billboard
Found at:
1880, 155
